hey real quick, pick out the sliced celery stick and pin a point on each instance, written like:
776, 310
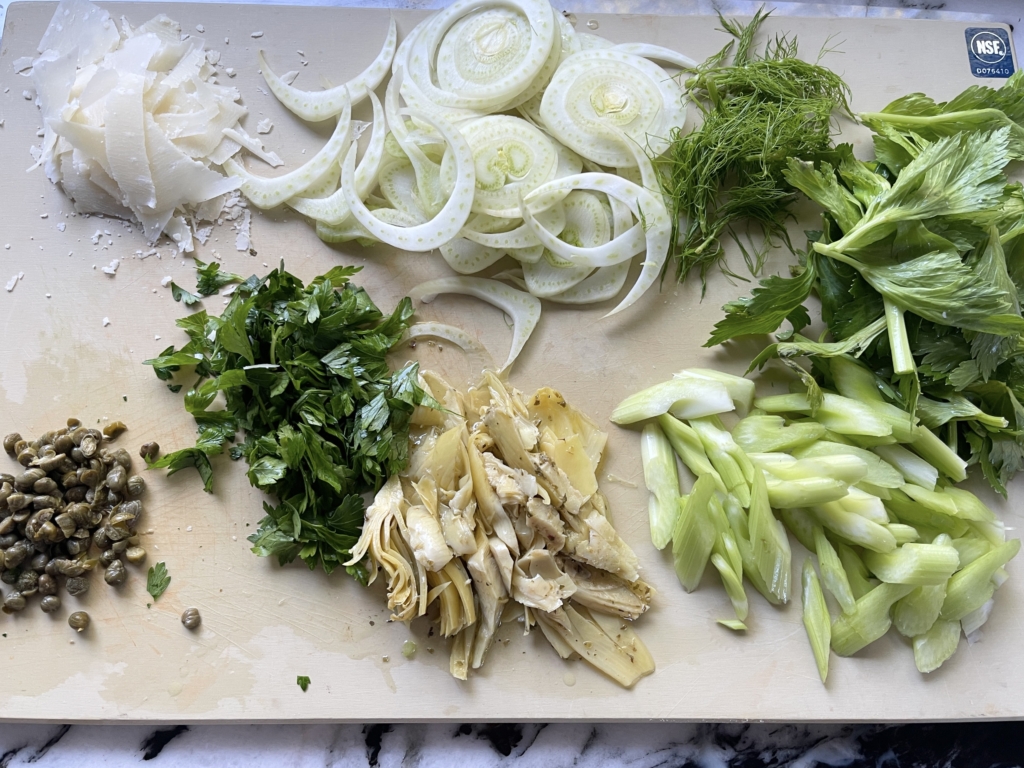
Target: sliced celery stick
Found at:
772, 554
937, 501
694, 534
855, 380
740, 389
976, 619
808, 491
936, 645
938, 454
854, 528
727, 457
687, 445
915, 613
800, 523
971, 587
883, 493
913, 468
970, 548
662, 481
969, 506
838, 413
725, 542
741, 532
765, 433
904, 534
832, 571
993, 532
856, 571
910, 512
922, 565
880, 472
865, 505
733, 624
733, 583
869, 619
845, 467
689, 398
816, 619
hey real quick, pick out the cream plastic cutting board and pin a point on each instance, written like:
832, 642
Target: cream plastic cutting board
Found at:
263, 625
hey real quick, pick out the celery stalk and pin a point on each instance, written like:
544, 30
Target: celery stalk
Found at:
845, 467
688, 398
856, 571
970, 548
971, 587
854, 380
899, 342
741, 532
800, 524
864, 504
915, 613
969, 506
806, 492
869, 620
854, 528
765, 433
728, 458
687, 445
770, 544
913, 468
816, 619
880, 472
936, 645
910, 512
662, 482
694, 534
938, 454
904, 534
832, 571
734, 624
740, 389
838, 413
937, 501
992, 532
733, 583
922, 565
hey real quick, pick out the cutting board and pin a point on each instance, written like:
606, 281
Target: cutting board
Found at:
263, 624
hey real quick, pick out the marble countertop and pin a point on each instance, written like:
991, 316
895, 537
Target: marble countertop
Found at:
639, 745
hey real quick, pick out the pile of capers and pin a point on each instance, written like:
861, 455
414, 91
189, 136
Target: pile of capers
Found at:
75, 495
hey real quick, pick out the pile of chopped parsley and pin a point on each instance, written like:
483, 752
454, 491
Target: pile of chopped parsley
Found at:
304, 376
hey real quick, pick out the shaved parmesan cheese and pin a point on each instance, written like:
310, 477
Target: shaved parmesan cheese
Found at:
111, 268
264, 126
242, 238
11, 283
133, 120
252, 144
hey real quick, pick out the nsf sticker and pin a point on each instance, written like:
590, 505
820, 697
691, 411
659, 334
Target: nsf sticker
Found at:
989, 52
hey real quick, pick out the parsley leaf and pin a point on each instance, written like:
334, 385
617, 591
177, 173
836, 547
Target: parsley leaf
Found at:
157, 580
210, 278
180, 294
303, 682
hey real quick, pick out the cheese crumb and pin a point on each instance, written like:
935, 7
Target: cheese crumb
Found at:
111, 268
106, 321
264, 126
166, 281
257, 34
200, 28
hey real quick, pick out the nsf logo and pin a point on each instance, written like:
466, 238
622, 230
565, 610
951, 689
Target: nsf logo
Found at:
989, 52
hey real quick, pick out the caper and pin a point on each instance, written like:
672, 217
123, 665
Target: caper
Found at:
6, 490
135, 555
89, 477
27, 456
76, 585
191, 618
9, 577
71, 568
28, 583
113, 429
79, 621
49, 604
67, 524
73, 424
76, 494
99, 539
45, 502
116, 478
89, 446
15, 555
51, 461
10, 441
77, 456
7, 525
47, 585
14, 602
107, 557
18, 501
27, 479
77, 546
44, 485
9, 540
114, 498
63, 444
135, 485
149, 451
115, 574
38, 562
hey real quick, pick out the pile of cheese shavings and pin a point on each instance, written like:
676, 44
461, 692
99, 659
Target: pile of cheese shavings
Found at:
134, 120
